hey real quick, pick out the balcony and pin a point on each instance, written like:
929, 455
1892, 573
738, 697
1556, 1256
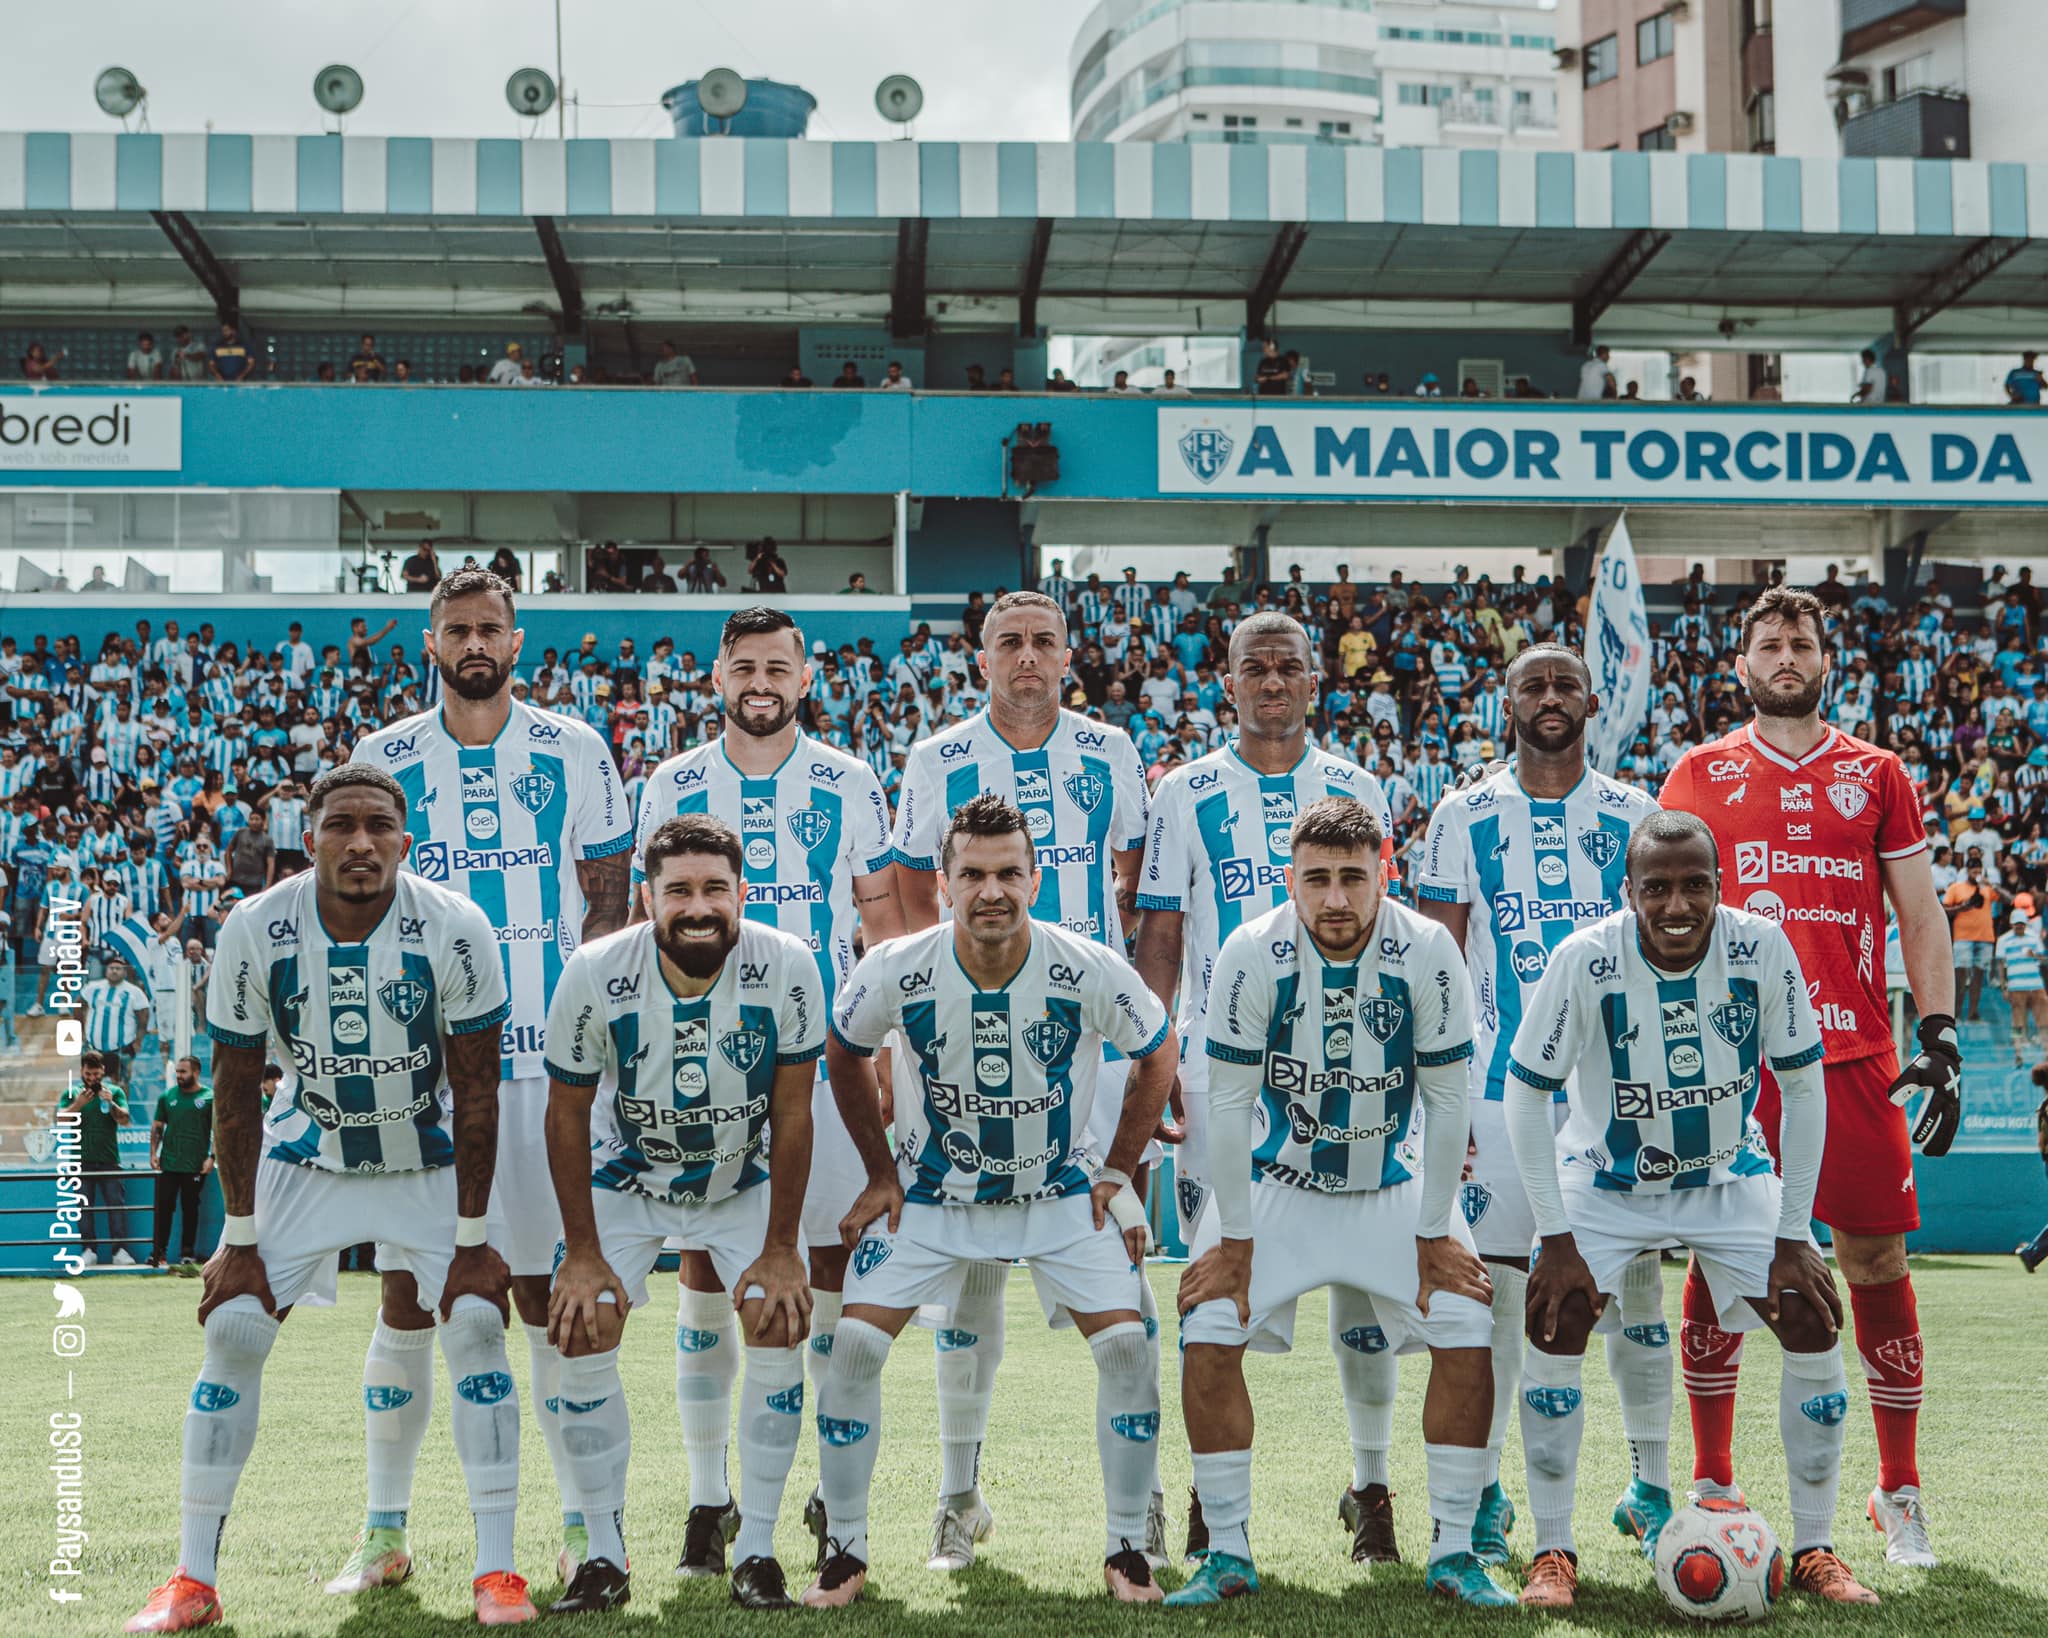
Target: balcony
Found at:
1870, 23
1929, 124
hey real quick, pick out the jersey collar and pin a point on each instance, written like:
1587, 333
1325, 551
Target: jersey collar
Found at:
795, 746
1308, 750
1763, 748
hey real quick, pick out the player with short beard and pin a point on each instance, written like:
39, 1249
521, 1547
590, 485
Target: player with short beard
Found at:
816, 858
694, 1035
520, 811
1817, 830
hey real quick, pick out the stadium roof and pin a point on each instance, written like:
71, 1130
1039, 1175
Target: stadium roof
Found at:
1076, 236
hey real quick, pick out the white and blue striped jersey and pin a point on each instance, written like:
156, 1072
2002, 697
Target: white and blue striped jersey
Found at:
685, 1084
113, 1015
362, 1024
806, 830
504, 824
1533, 872
1007, 1075
1222, 839
1663, 1071
1337, 1044
1082, 793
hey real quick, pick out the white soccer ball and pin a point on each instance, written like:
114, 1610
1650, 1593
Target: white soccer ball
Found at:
1717, 1560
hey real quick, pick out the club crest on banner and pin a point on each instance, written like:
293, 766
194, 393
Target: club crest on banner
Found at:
1206, 452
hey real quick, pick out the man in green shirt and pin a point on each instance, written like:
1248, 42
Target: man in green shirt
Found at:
102, 1110
181, 1154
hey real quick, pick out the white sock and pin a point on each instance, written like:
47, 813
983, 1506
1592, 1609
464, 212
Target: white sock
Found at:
1368, 1376
969, 1350
1813, 1402
597, 1442
707, 1360
1457, 1473
1639, 1360
545, 1366
484, 1417
1148, 1314
1223, 1481
398, 1403
850, 1431
1553, 1424
771, 1421
220, 1428
1126, 1429
825, 1306
1510, 1295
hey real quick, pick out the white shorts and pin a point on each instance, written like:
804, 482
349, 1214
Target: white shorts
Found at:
632, 1229
525, 1221
1732, 1228
837, 1176
1364, 1241
1108, 1113
305, 1215
1492, 1201
1074, 1265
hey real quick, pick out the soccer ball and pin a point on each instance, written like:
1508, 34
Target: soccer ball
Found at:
1718, 1561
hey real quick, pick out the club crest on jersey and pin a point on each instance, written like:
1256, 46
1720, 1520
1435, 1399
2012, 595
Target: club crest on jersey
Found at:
1599, 846
402, 998
1382, 1017
743, 1048
1732, 1021
1084, 790
1047, 1039
1848, 800
1473, 1199
809, 826
533, 791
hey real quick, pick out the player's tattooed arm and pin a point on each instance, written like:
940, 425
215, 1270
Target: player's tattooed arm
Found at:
875, 896
607, 885
236, 1270
473, 1077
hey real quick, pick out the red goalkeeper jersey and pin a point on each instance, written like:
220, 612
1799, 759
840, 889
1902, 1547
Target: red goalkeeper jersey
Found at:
1801, 843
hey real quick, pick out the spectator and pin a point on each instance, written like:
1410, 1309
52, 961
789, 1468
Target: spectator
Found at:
506, 567
509, 368
1689, 391
145, 363
658, 579
1870, 383
1060, 383
1596, 375
1006, 379
796, 377
674, 369
422, 571
2017, 971
856, 585
116, 1015
323, 373
1122, 383
977, 378
38, 365
1170, 387
700, 574
895, 380
604, 570
1971, 904
401, 373
1633, 393
250, 860
1470, 389
2024, 385
529, 375
231, 362
767, 570
1428, 386
99, 1103
181, 1155
849, 376
1272, 378
190, 360
366, 365
99, 581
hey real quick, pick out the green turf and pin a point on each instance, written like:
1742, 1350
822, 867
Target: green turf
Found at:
1983, 1441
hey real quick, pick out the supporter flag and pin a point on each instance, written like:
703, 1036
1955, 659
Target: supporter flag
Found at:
1618, 650
131, 940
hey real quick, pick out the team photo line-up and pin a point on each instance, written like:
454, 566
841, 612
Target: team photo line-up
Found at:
858, 1063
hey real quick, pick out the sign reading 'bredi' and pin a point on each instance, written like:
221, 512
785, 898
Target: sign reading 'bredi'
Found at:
75, 433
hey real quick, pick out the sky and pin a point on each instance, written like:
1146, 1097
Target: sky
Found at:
991, 69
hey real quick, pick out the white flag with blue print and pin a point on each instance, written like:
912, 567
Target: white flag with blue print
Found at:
1618, 650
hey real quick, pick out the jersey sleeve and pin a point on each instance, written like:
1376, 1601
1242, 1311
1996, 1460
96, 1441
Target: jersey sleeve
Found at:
867, 1006
1792, 1038
1901, 832
1163, 882
603, 818
867, 825
579, 1046
1443, 1002
920, 814
1126, 1014
657, 807
1446, 876
238, 998
468, 974
1240, 1005
800, 1021
1555, 1020
1128, 822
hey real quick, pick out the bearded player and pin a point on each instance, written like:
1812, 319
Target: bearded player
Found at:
1513, 865
814, 832
1817, 829
519, 811
1082, 793
1217, 858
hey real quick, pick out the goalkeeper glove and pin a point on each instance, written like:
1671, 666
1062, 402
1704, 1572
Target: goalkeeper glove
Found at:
1937, 1070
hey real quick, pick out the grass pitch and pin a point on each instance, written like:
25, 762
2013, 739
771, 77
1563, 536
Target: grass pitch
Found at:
1984, 1446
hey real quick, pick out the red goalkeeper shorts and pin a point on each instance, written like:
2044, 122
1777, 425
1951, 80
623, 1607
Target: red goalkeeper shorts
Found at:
1866, 1170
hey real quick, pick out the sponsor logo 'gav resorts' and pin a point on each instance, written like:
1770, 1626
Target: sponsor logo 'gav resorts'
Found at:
40, 432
